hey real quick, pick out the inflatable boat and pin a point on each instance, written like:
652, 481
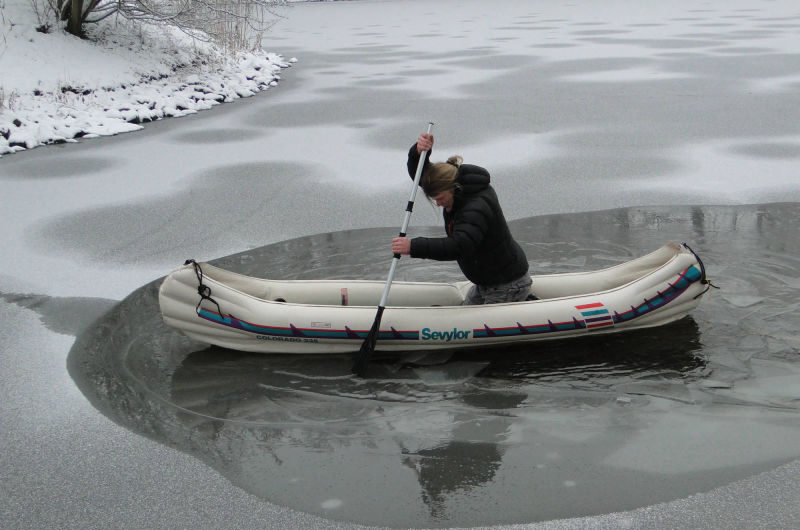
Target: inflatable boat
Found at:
223, 308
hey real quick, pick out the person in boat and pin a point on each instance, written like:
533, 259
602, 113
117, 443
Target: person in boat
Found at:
478, 237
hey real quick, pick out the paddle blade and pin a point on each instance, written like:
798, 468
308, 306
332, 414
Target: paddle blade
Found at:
368, 346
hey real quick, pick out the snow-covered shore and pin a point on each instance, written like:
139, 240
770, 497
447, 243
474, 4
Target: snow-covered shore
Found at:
55, 87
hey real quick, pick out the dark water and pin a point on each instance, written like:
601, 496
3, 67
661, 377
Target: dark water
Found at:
485, 437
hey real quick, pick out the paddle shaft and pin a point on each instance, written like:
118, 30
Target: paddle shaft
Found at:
368, 346
404, 228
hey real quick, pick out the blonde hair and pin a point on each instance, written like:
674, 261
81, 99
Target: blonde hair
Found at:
441, 176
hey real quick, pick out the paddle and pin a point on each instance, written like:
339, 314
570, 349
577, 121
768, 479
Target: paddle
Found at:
368, 346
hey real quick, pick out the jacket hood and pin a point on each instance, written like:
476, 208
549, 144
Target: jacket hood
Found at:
472, 179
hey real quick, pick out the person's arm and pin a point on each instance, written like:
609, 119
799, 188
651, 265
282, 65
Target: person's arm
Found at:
469, 230
424, 143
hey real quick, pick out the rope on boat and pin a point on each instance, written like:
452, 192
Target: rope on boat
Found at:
202, 289
703, 279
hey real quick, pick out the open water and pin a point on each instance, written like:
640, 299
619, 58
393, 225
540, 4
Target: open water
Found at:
521, 434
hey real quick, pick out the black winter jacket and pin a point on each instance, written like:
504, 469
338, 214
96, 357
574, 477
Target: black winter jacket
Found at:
477, 233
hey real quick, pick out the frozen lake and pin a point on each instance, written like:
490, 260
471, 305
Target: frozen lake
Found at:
574, 108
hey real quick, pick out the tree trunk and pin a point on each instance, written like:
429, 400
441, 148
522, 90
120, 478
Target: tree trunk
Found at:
75, 22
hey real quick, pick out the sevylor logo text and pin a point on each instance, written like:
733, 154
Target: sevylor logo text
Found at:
447, 336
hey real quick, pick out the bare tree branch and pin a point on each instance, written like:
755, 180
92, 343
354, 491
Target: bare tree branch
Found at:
232, 24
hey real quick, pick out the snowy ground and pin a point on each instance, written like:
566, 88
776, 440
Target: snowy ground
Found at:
56, 87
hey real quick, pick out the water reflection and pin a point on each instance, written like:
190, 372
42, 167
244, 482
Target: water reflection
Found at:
520, 434
665, 353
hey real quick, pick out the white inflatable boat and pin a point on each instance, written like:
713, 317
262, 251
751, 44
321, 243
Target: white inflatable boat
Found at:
219, 307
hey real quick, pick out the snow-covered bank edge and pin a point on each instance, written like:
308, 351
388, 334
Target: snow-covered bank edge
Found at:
57, 88
75, 112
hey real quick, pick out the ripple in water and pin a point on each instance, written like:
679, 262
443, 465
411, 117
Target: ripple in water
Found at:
464, 438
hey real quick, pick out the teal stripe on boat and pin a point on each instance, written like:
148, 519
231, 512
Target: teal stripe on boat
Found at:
596, 312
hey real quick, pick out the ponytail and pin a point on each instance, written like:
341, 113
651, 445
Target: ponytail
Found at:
441, 176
